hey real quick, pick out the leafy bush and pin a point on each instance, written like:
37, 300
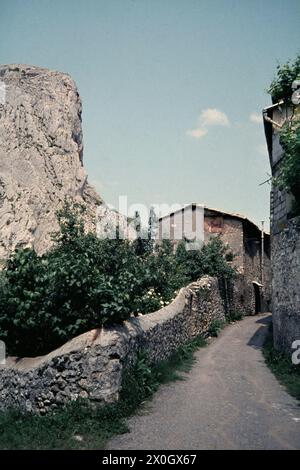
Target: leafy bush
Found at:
234, 315
211, 260
139, 382
84, 282
216, 327
289, 177
281, 86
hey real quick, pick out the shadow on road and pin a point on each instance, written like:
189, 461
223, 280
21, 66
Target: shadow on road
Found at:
258, 339
265, 320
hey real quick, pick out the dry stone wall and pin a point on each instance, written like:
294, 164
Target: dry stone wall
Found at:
91, 365
285, 244
286, 285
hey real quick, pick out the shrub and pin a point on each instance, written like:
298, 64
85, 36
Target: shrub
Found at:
23, 306
84, 282
281, 86
289, 178
234, 315
211, 260
216, 327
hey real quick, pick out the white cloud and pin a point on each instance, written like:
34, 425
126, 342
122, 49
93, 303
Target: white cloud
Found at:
256, 118
197, 133
213, 117
209, 117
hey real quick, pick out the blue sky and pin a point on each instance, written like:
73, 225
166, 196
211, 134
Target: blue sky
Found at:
171, 89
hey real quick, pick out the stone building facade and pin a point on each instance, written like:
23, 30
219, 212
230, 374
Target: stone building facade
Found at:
285, 239
252, 292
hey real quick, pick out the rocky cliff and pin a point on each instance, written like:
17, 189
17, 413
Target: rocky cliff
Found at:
41, 154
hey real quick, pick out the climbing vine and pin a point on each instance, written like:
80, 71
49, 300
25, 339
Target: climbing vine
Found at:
289, 178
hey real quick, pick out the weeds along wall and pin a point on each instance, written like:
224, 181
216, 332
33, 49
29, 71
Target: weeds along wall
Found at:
91, 365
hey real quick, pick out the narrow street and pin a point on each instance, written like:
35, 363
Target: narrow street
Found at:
229, 400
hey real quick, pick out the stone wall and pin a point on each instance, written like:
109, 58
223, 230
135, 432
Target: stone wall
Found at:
281, 204
244, 240
285, 241
91, 365
253, 269
286, 285
230, 231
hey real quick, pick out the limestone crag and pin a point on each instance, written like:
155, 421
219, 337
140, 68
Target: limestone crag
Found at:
41, 155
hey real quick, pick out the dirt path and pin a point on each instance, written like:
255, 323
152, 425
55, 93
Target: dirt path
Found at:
229, 400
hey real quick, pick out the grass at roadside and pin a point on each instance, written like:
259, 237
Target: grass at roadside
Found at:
281, 365
78, 425
217, 325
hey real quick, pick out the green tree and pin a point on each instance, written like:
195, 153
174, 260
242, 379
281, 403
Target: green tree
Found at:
281, 86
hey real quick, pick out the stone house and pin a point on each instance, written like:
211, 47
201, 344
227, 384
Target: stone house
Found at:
285, 237
252, 293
